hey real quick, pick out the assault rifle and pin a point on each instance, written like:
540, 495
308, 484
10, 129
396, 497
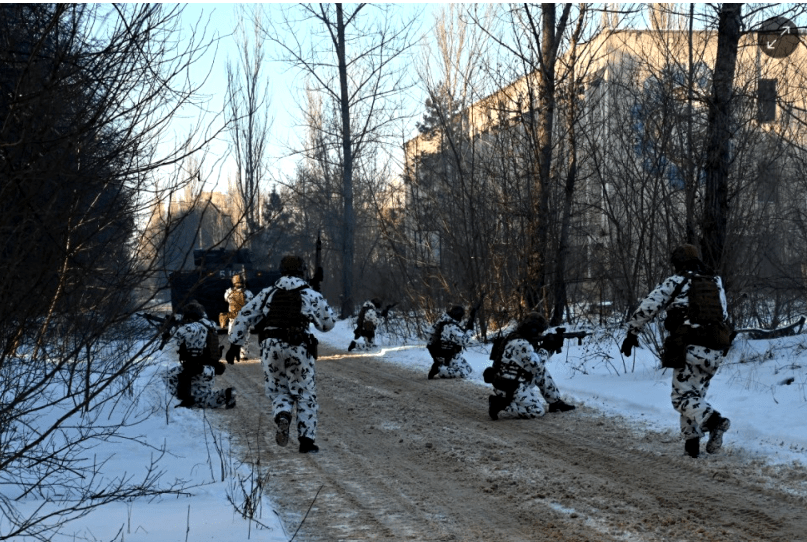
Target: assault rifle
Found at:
553, 342
787, 331
166, 324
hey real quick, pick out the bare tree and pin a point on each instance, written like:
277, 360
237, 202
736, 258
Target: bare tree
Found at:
570, 98
249, 122
88, 94
353, 58
718, 135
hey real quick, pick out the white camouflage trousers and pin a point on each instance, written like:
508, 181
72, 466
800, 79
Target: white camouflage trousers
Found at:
289, 380
527, 401
201, 387
457, 367
689, 387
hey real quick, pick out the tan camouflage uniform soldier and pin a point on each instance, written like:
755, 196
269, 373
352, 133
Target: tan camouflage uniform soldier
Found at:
236, 297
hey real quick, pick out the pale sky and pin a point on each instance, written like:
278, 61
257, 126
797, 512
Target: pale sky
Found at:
282, 81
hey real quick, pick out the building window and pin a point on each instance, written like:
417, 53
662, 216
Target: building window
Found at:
427, 248
766, 100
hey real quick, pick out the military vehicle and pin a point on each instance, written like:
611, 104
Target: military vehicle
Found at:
213, 275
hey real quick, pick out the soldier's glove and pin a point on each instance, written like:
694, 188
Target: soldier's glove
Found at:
629, 343
233, 352
488, 375
164, 339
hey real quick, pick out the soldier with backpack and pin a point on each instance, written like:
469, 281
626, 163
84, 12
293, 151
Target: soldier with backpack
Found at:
282, 314
236, 297
199, 352
519, 372
447, 339
366, 324
699, 339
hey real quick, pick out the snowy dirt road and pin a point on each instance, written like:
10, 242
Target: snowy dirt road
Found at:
405, 458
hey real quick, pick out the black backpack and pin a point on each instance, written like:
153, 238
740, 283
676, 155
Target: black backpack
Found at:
435, 346
497, 351
212, 351
285, 309
704, 300
361, 323
505, 381
705, 309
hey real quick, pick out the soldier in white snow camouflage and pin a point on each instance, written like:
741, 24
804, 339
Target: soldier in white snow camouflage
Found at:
366, 324
193, 381
446, 349
282, 314
700, 353
521, 379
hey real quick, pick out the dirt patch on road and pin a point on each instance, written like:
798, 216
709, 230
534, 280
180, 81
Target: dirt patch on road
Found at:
406, 458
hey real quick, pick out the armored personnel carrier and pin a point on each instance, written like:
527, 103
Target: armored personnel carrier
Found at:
212, 276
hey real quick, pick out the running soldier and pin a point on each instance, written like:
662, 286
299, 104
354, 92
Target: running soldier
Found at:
519, 372
699, 340
447, 340
193, 381
281, 314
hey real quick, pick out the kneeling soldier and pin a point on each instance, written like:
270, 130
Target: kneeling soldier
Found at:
446, 343
199, 352
519, 372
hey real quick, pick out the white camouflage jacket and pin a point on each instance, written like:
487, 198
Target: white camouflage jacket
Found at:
658, 298
314, 307
371, 315
194, 335
520, 354
452, 335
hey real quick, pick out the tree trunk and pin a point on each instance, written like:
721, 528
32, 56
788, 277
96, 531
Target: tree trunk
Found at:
692, 168
719, 136
539, 242
348, 226
571, 178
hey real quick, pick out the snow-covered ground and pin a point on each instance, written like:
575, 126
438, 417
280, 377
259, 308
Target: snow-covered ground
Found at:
762, 388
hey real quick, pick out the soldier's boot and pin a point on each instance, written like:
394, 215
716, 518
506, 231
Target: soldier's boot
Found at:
283, 421
692, 447
307, 446
495, 405
352, 346
229, 398
716, 425
434, 370
184, 390
560, 406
